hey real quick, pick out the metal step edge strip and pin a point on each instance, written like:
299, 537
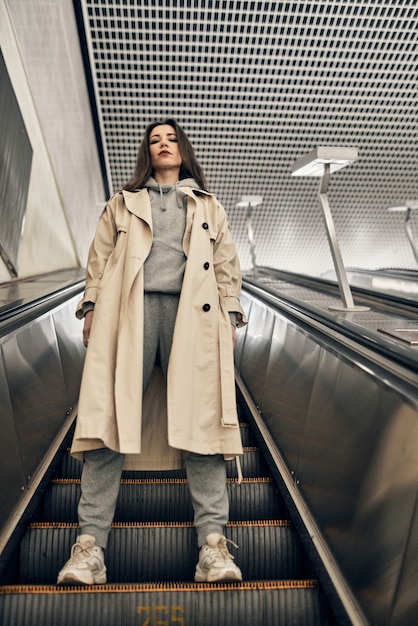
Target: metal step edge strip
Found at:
160, 481
253, 448
240, 523
141, 587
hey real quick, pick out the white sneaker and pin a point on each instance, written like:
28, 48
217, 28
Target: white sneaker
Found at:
216, 564
86, 565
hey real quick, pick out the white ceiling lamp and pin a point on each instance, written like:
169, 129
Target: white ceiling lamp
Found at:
249, 203
313, 163
322, 162
407, 206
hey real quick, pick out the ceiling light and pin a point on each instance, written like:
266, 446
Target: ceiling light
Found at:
403, 205
322, 162
313, 164
406, 206
250, 202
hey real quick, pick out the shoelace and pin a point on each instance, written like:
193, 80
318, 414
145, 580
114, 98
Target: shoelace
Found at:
78, 552
221, 550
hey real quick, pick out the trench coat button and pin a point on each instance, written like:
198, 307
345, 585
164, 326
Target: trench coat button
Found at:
206, 307
206, 266
205, 225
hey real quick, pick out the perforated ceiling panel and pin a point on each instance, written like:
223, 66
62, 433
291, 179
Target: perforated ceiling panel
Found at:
256, 85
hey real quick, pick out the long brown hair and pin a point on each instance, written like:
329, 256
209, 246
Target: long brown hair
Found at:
190, 167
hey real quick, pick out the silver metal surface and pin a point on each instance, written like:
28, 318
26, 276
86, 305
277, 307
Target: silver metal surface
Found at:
255, 342
410, 234
347, 429
71, 349
40, 373
36, 388
293, 361
345, 595
13, 479
375, 326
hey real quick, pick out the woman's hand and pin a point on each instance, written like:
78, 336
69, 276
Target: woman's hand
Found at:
88, 319
234, 335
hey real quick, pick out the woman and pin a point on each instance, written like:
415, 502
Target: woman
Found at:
160, 305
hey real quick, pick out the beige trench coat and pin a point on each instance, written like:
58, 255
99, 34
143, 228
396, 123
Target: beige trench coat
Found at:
196, 410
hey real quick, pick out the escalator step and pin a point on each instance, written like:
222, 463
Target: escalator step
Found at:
248, 437
164, 552
166, 500
281, 603
252, 461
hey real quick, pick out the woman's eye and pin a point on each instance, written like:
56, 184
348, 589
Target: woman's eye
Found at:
172, 139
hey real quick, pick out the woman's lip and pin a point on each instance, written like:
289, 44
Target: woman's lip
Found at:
164, 152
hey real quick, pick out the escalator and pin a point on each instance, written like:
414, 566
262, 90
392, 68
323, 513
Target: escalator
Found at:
326, 517
152, 554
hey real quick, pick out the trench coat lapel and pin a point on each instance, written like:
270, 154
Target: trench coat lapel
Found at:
138, 203
191, 209
139, 240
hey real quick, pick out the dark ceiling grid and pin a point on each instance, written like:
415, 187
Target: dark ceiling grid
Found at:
257, 85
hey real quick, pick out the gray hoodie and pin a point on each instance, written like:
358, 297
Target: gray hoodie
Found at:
165, 265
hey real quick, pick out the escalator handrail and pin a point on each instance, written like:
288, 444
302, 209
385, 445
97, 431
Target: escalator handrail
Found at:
21, 313
326, 285
374, 344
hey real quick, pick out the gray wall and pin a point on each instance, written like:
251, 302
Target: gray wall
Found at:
39, 42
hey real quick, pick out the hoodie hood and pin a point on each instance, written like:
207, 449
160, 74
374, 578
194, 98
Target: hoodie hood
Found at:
164, 189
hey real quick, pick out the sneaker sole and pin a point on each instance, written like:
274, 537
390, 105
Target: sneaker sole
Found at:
227, 577
72, 579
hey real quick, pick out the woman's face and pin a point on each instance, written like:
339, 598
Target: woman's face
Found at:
164, 149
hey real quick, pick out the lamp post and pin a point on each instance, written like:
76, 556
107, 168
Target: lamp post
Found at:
322, 162
407, 206
249, 202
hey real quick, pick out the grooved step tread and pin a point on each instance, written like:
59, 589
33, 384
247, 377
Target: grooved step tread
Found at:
164, 551
147, 499
253, 464
247, 604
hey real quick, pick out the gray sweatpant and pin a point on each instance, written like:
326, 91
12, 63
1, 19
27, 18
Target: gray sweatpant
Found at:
102, 469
